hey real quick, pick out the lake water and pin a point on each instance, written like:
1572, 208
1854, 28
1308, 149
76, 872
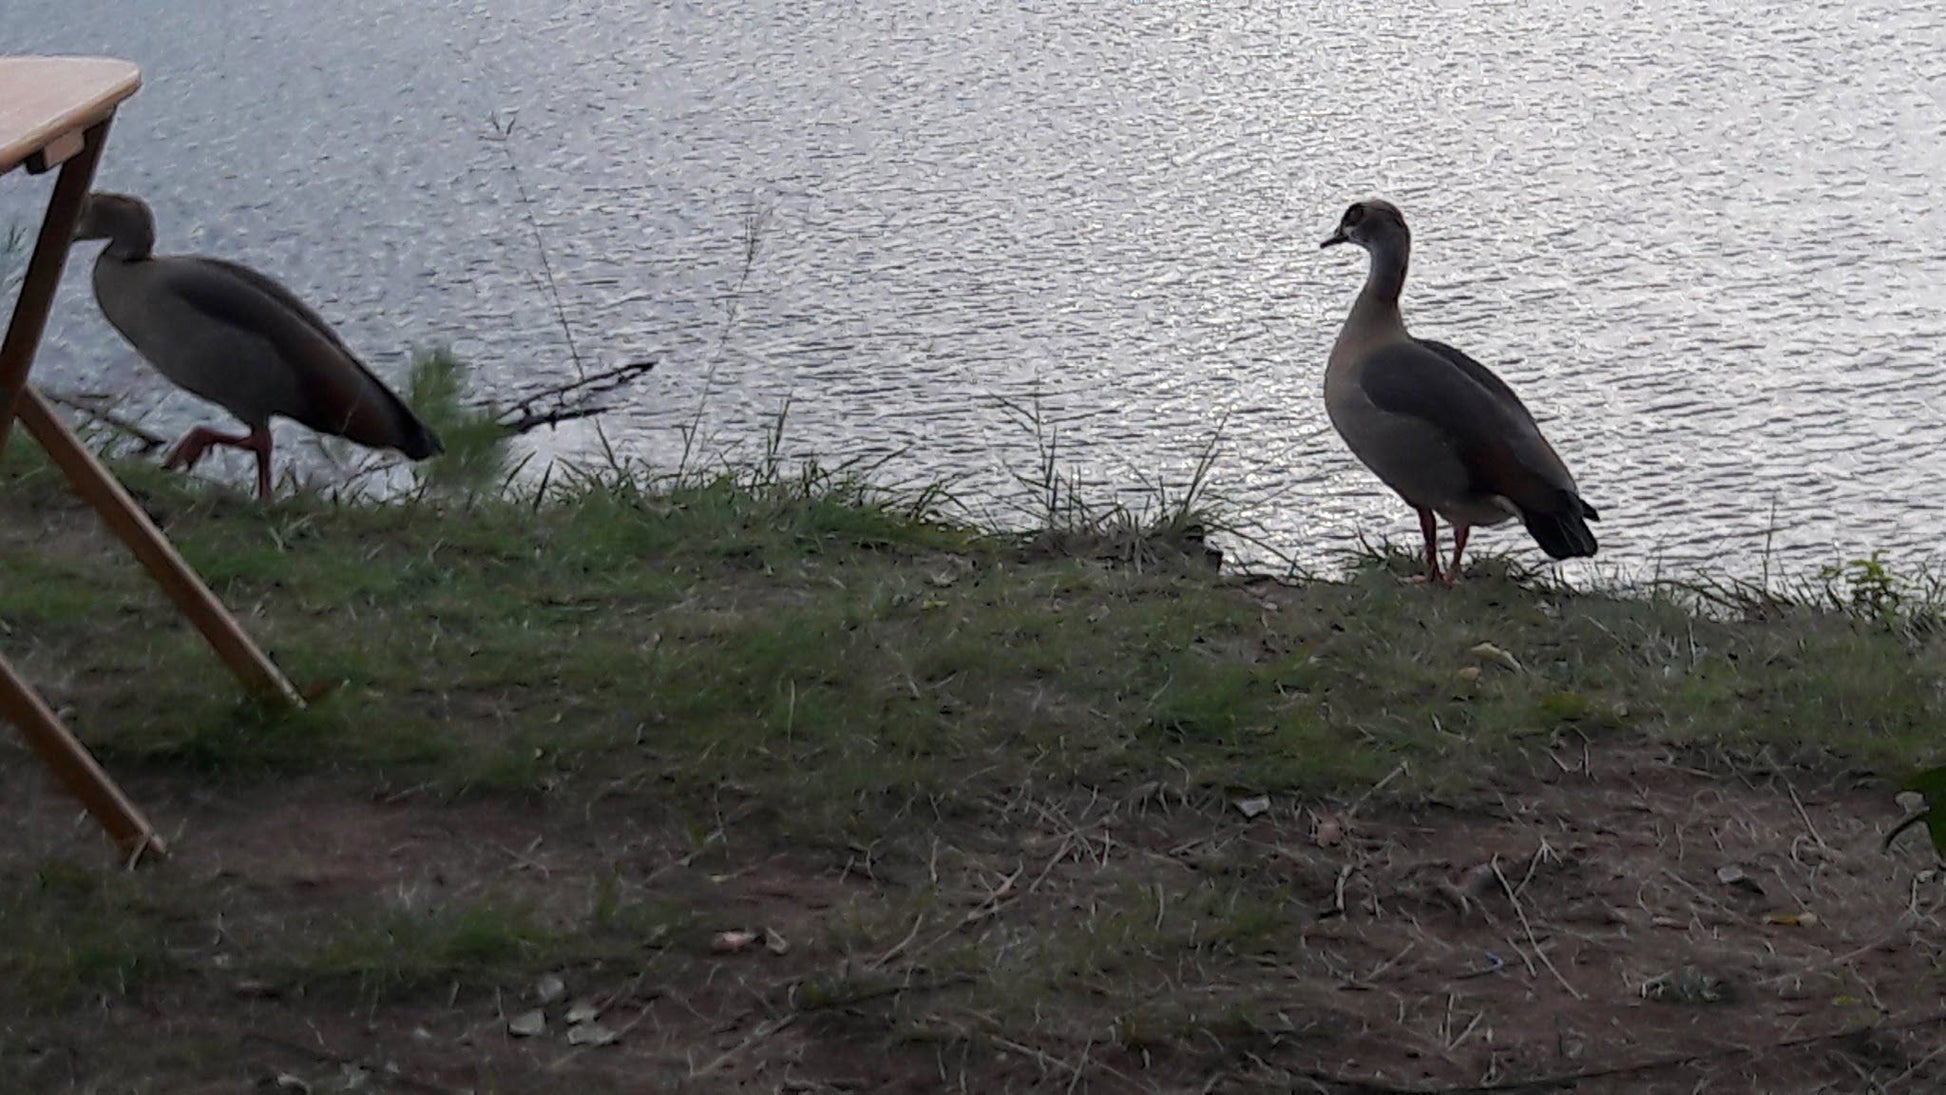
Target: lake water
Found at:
1707, 241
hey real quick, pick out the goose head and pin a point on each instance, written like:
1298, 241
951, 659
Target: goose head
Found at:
122, 220
1370, 224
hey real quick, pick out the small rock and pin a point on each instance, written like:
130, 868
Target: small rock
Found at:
584, 1011
527, 1024
1252, 807
591, 1034
550, 988
1732, 875
284, 1081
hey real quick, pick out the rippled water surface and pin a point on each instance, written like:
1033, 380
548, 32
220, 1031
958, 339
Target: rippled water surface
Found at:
1705, 240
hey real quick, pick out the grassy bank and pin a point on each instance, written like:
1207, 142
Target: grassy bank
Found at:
797, 782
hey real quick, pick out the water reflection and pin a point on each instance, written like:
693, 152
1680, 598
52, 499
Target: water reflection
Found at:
1704, 239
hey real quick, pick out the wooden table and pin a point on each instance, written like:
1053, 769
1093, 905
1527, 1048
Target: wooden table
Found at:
54, 112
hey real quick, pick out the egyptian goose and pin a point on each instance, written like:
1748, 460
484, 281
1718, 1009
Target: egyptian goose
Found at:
1439, 428
240, 340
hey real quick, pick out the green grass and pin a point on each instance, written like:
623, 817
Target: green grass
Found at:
76, 931
834, 667
762, 630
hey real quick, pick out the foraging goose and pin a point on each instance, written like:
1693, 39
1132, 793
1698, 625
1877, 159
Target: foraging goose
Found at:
240, 340
1440, 429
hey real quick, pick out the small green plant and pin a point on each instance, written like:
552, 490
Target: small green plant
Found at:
477, 455
1865, 587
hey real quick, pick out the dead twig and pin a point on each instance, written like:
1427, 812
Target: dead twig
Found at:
1805, 815
551, 406
1527, 927
1352, 810
764, 1030
503, 136
325, 1056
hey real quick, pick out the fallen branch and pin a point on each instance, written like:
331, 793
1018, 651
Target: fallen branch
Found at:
552, 405
555, 418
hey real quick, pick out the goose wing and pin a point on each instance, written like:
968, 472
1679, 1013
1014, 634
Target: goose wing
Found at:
1486, 424
337, 393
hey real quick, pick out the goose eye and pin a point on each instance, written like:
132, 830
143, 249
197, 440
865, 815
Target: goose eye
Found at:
1355, 214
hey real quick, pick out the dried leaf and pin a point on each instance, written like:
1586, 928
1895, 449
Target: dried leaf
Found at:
527, 1024
1468, 673
284, 1081
775, 943
1330, 832
1491, 653
1793, 920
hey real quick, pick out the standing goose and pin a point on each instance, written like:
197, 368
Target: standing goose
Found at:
1440, 429
240, 340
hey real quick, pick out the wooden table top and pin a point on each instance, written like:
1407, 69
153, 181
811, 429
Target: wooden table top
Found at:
44, 99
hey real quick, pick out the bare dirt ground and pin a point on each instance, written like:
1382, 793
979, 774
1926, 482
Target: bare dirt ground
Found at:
1621, 923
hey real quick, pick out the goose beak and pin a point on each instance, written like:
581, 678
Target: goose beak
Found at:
1337, 237
86, 226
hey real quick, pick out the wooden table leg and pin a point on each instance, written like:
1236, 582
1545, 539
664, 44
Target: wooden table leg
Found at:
75, 768
43, 274
67, 757
105, 493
